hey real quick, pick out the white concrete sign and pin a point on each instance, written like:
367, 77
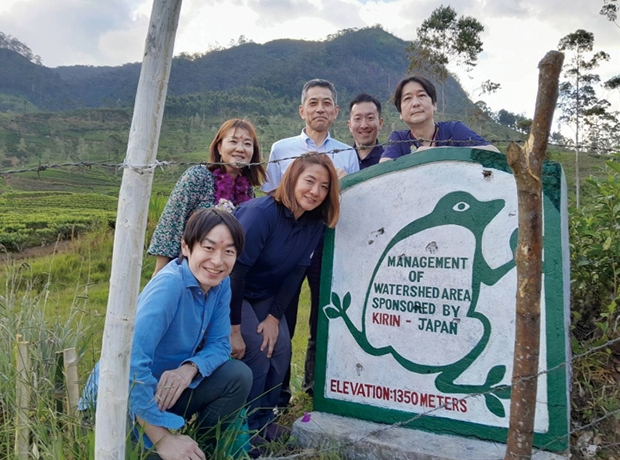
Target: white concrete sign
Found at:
418, 298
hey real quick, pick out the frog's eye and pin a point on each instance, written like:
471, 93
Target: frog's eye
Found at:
461, 206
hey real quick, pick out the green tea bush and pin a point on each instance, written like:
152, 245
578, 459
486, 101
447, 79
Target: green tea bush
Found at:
37, 218
595, 262
595, 295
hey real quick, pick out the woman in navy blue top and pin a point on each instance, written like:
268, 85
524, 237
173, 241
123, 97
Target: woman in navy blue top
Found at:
282, 231
416, 101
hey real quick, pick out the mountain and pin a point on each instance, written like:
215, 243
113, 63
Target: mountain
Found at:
367, 60
33, 83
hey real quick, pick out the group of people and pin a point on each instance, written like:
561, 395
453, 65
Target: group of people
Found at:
214, 325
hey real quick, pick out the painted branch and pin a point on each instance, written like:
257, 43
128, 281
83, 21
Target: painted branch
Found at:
131, 219
526, 164
70, 361
22, 399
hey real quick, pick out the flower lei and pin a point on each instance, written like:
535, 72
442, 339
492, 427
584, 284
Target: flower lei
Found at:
228, 192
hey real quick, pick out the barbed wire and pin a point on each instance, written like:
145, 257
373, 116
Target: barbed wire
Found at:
141, 169
378, 431
161, 164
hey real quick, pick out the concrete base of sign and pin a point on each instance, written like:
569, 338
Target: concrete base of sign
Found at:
358, 439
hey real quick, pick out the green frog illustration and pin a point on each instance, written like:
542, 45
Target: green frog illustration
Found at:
456, 215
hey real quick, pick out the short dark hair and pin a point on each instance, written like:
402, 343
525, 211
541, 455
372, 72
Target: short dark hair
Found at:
424, 82
255, 173
363, 97
204, 220
329, 209
321, 83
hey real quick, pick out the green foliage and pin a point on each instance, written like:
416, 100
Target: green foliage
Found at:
595, 262
368, 59
49, 328
512, 120
13, 44
16, 104
610, 10
32, 219
54, 432
581, 108
444, 39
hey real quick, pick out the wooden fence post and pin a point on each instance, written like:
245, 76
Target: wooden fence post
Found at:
133, 203
526, 164
70, 361
22, 399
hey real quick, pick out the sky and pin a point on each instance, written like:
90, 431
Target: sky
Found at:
518, 33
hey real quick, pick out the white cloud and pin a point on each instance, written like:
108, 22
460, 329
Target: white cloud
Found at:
67, 31
518, 32
124, 45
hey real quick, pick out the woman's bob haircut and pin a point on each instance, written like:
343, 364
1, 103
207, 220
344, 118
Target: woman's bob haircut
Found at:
329, 209
254, 173
204, 220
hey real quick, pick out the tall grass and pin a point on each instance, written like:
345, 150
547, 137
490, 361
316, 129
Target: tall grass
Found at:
30, 312
59, 301
54, 433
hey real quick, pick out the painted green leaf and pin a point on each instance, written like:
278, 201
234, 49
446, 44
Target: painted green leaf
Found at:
332, 313
336, 301
346, 302
496, 375
494, 405
514, 239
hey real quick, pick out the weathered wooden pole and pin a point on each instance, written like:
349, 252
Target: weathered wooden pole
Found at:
70, 362
526, 164
131, 219
22, 399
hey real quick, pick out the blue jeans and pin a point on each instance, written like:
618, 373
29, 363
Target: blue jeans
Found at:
268, 373
218, 398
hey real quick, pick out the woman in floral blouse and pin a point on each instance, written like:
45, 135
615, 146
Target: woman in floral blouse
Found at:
204, 187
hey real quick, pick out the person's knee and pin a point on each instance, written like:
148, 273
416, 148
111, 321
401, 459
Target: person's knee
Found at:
283, 346
240, 375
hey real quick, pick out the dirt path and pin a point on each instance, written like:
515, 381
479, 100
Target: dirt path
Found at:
38, 251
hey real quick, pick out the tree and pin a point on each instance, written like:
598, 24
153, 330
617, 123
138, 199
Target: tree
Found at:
442, 40
489, 87
578, 100
484, 108
13, 44
82, 149
611, 8
526, 163
506, 118
558, 138
613, 83
22, 148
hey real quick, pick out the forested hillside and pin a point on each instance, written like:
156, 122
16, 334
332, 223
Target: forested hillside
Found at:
82, 113
370, 60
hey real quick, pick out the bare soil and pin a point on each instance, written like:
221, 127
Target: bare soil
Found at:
37, 251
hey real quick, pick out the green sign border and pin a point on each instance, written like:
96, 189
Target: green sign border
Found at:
554, 191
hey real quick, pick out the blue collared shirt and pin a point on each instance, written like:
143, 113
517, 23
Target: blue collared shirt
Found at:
176, 322
292, 147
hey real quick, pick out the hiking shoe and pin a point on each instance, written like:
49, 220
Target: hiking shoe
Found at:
258, 446
275, 432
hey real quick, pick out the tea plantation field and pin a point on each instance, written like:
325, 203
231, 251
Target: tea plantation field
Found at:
39, 218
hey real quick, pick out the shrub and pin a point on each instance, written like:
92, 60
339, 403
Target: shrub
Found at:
595, 262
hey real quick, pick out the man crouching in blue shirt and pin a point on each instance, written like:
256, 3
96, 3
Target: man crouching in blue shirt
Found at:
180, 360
